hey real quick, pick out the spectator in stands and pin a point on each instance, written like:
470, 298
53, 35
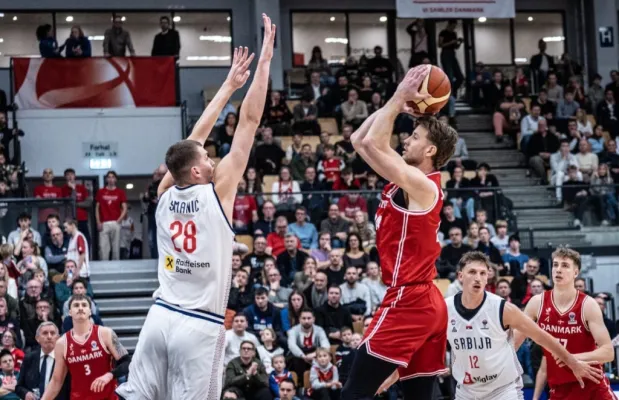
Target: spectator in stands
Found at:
573, 135
7, 323
245, 210
449, 42
278, 294
321, 254
575, 194
319, 93
608, 113
554, 90
336, 226
366, 89
486, 247
494, 90
461, 200
255, 260
167, 42
303, 341
305, 116
566, 110
472, 236
354, 111
318, 64
520, 83
350, 203
583, 124
263, 314
151, 199
329, 168
269, 349
235, 336
31, 260
596, 140
287, 390
503, 290
540, 149
110, 210
541, 63
520, 287
52, 221
376, 103
71, 284
241, 293
508, 113
602, 195
355, 295
374, 282
48, 46
82, 198
44, 311
47, 191
347, 181
117, 40
127, 231
611, 157
513, 260
500, 240
247, 374
225, 134
332, 316
269, 155
304, 278
10, 362
610, 324
78, 248
254, 185
365, 229
277, 115
595, 94
547, 107
449, 220
355, 255
56, 252
302, 162
77, 44
24, 221
266, 225
460, 158
293, 150
10, 283
291, 260
614, 83
587, 161
559, 163
344, 148
292, 313
528, 126
314, 203
275, 240
380, 66
324, 377
481, 217
335, 271
305, 231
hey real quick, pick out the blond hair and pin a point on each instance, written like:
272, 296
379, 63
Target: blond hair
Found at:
571, 254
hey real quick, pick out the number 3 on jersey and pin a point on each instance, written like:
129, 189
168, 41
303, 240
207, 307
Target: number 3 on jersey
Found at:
188, 231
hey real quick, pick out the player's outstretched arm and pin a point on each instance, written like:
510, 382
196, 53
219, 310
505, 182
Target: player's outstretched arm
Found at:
231, 168
120, 354
376, 150
513, 317
604, 352
60, 372
530, 311
237, 76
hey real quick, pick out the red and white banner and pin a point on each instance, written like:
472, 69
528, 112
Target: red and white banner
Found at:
456, 8
45, 83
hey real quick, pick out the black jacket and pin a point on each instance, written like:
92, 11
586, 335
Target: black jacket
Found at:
29, 377
333, 319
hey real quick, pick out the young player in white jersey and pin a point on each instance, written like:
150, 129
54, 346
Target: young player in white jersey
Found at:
179, 354
484, 362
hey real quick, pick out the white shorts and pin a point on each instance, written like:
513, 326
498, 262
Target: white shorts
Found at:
179, 356
511, 391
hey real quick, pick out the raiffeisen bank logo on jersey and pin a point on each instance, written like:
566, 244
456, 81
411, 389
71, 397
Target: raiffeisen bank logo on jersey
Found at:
182, 266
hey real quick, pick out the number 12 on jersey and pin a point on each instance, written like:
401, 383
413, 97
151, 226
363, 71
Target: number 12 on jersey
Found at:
474, 361
188, 231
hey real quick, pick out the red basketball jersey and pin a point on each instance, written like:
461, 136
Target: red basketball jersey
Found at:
570, 328
88, 361
407, 241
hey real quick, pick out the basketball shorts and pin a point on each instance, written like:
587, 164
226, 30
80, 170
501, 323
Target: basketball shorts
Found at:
591, 391
409, 329
179, 355
511, 391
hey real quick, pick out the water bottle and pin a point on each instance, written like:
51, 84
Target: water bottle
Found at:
70, 275
36, 393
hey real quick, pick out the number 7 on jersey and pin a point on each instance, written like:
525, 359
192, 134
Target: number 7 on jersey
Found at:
188, 231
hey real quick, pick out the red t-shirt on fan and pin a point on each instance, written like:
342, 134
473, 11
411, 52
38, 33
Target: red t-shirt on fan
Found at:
349, 209
331, 169
407, 241
110, 201
47, 192
87, 361
243, 208
81, 194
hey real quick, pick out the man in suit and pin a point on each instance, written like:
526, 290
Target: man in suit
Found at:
38, 366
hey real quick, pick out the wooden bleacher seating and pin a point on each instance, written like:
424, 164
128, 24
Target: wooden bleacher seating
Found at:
329, 125
306, 380
442, 284
332, 350
267, 183
357, 327
247, 240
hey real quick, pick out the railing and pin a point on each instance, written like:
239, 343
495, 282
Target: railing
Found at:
11, 208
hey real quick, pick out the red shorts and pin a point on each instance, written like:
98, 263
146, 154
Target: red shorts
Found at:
591, 391
410, 329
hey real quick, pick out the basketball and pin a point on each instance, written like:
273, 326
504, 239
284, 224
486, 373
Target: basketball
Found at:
438, 86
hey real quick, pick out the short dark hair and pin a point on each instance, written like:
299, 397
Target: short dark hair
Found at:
53, 216
513, 237
248, 342
164, 18
443, 136
79, 280
5, 352
80, 297
473, 256
306, 310
111, 172
69, 171
42, 31
287, 380
24, 215
334, 286
180, 157
345, 328
503, 281
261, 291
483, 228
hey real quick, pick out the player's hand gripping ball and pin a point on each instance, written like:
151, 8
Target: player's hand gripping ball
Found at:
437, 86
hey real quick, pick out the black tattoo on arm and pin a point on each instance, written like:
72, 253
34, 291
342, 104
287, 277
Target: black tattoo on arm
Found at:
120, 349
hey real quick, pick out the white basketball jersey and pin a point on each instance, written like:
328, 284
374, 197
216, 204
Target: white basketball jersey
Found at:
483, 355
195, 249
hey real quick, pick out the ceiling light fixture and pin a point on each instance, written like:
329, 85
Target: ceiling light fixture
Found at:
482, 19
